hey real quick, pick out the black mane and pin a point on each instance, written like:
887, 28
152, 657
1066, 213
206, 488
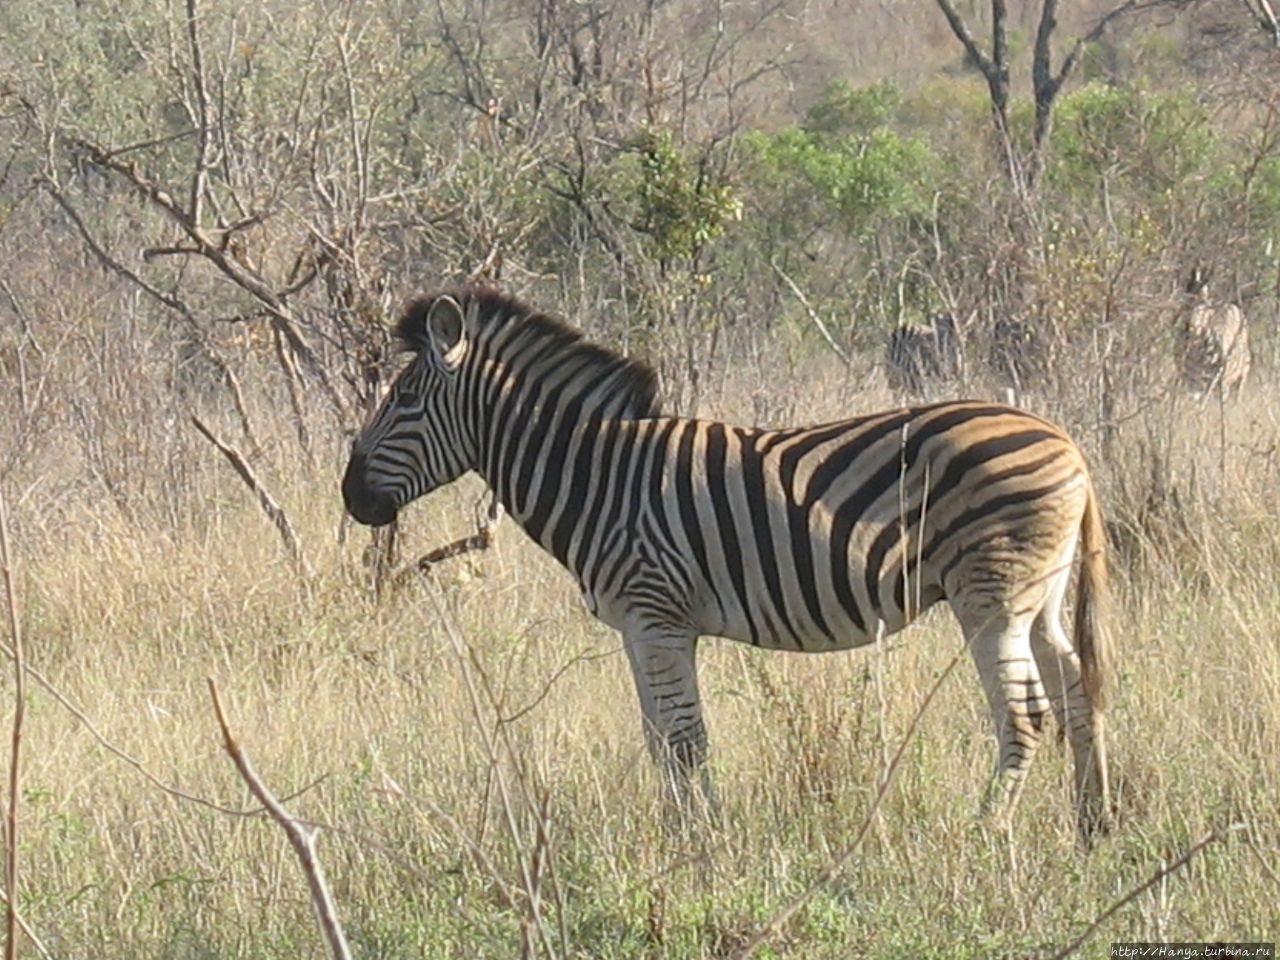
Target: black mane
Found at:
496, 311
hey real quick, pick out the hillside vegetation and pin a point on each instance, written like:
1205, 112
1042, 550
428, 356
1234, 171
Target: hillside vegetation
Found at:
214, 210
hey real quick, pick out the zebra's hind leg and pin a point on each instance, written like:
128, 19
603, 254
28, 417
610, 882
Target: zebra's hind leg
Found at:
1000, 643
1079, 721
663, 663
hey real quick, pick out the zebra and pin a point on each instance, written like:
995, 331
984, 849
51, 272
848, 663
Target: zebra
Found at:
918, 355
1016, 353
811, 539
1213, 343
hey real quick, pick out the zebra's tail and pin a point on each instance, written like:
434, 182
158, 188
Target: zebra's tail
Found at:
1091, 642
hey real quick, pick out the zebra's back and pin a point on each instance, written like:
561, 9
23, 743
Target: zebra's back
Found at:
823, 538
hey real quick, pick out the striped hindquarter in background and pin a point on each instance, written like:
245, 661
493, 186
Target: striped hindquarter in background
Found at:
1212, 341
1213, 350
921, 357
811, 539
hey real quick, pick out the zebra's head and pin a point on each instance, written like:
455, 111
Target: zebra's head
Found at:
416, 441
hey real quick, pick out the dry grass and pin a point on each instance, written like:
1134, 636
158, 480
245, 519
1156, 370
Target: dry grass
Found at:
428, 859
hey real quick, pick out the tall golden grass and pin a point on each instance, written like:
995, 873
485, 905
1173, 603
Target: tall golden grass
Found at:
484, 788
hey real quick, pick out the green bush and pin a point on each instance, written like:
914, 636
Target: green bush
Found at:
859, 182
1143, 146
844, 109
678, 203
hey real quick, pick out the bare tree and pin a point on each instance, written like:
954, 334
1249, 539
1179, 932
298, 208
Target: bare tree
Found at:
1046, 82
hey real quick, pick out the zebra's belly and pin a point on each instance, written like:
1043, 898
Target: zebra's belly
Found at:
814, 630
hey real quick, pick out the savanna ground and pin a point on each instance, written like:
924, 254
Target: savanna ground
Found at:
479, 747
210, 208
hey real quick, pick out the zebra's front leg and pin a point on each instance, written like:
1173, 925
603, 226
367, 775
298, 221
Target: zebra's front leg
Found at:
663, 662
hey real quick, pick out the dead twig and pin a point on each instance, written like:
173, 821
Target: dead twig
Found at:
275, 513
1265, 16
302, 836
816, 320
833, 869
26, 928
1214, 836
482, 539
15, 743
134, 762
549, 685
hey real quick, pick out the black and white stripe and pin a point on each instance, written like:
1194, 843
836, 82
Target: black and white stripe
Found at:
920, 357
812, 539
1214, 357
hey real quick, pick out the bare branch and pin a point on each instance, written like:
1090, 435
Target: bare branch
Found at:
813, 314
174, 303
1265, 16
200, 176
15, 743
275, 513
217, 253
155, 253
1046, 84
961, 30
1099, 28
31, 934
995, 68
1000, 37
109, 261
1214, 836
551, 682
302, 836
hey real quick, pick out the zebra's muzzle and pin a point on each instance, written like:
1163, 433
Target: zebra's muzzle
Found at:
368, 506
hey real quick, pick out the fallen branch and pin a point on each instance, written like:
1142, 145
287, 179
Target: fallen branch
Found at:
275, 513
302, 836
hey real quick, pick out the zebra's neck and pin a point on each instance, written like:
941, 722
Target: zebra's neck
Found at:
538, 396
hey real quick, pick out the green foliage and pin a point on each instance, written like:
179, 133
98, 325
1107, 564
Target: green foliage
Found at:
844, 109
1142, 143
677, 202
862, 180
1262, 190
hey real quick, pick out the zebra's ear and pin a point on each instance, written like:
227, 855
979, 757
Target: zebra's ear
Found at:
445, 331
